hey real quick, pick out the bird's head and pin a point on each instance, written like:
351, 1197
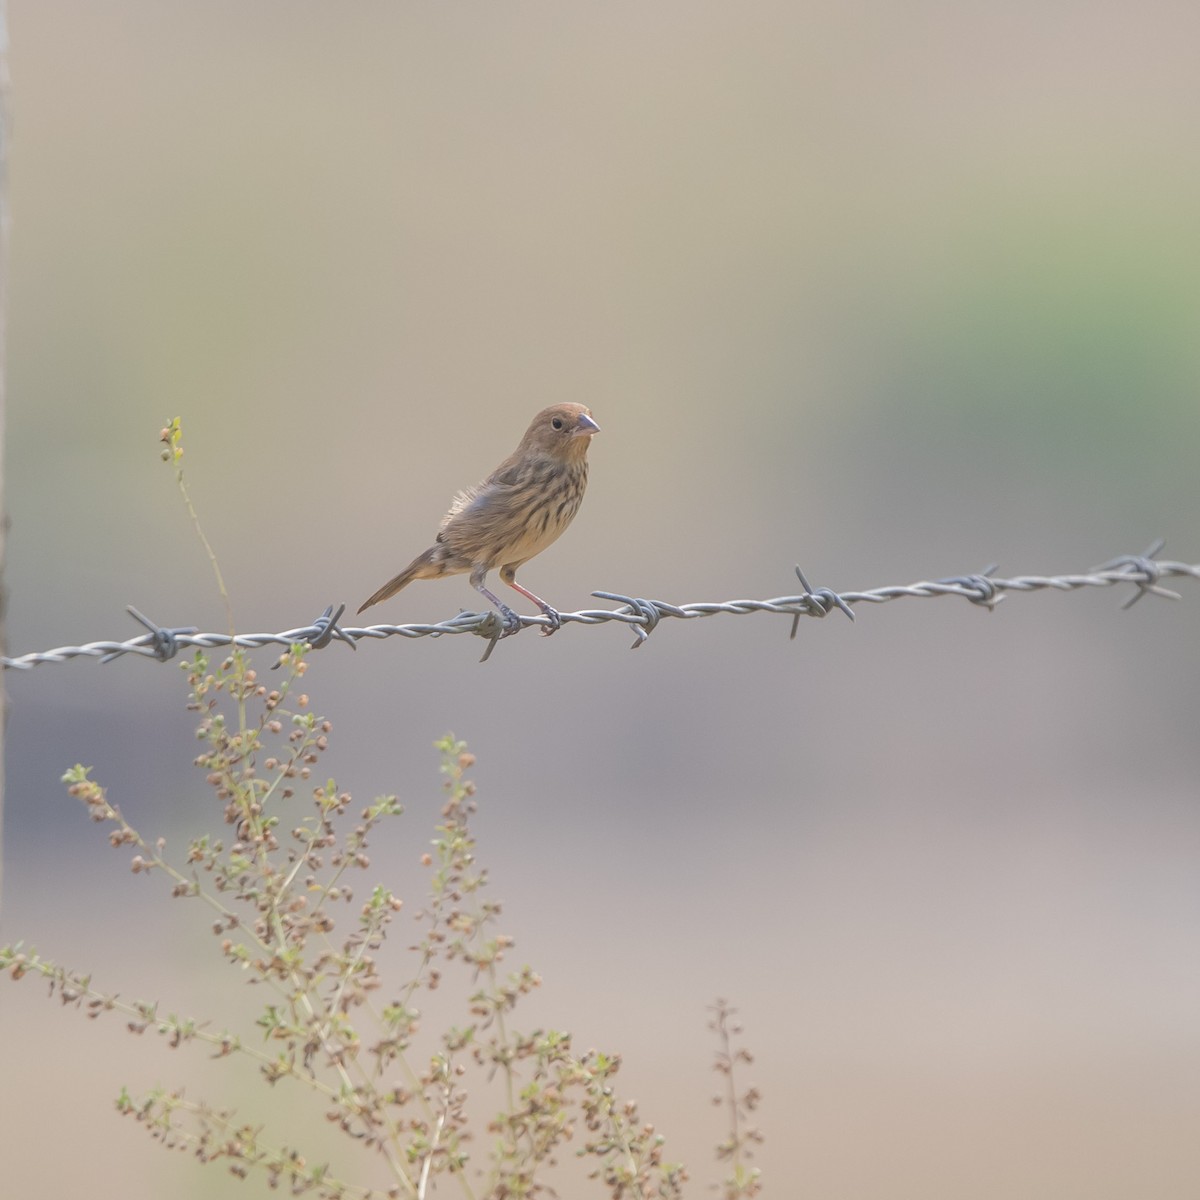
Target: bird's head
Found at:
561, 431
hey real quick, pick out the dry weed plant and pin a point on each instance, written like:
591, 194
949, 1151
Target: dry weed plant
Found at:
282, 886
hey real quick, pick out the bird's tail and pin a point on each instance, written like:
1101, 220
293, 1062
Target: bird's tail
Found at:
425, 566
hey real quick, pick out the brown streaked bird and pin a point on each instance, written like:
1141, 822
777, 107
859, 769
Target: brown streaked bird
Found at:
515, 513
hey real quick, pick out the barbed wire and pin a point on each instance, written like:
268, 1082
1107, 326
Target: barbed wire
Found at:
641, 616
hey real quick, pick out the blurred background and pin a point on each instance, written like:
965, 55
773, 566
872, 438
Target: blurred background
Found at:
889, 290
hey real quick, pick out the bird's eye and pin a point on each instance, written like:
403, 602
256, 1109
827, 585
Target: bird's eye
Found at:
557, 422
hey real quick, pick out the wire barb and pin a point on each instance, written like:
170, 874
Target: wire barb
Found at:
643, 616
979, 589
327, 624
1142, 565
164, 643
487, 625
319, 634
821, 603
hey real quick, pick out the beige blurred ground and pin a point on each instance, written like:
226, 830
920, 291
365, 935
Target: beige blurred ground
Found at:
890, 290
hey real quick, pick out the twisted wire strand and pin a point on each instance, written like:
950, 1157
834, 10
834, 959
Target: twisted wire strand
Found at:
640, 615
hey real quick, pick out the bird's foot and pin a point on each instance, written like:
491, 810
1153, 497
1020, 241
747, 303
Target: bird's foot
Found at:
555, 621
510, 620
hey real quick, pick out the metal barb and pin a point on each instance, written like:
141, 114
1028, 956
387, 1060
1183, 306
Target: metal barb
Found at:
165, 642
647, 611
1143, 566
319, 634
491, 626
328, 629
821, 602
979, 589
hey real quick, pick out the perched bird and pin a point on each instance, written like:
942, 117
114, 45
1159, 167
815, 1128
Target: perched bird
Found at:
515, 513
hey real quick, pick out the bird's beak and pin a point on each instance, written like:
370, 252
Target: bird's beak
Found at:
586, 426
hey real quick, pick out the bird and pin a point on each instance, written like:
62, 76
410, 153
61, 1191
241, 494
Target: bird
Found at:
516, 512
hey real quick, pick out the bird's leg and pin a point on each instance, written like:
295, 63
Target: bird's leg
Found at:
512, 622
508, 574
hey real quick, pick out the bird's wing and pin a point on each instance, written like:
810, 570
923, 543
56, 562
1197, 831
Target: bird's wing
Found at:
493, 490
